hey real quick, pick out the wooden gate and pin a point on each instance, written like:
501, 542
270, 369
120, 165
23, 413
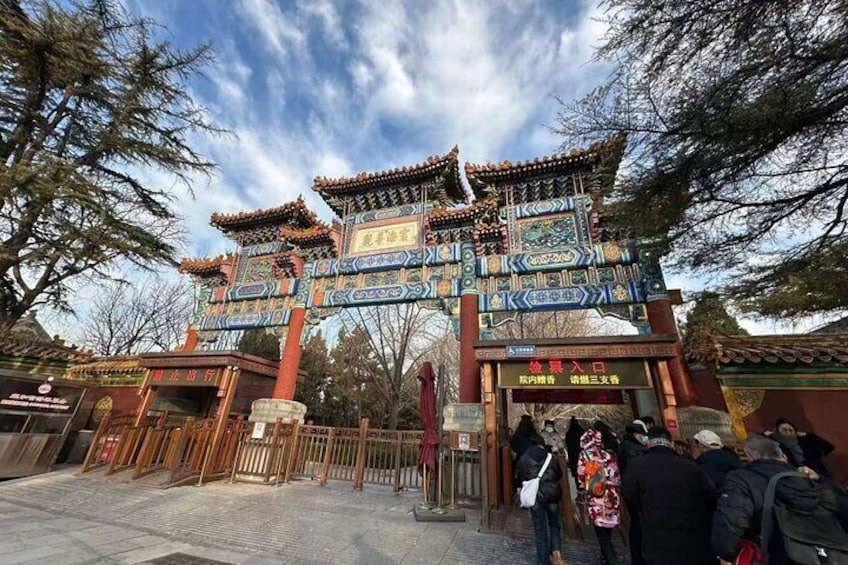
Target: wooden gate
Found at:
188, 452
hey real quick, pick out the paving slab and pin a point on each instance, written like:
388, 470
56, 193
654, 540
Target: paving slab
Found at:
63, 518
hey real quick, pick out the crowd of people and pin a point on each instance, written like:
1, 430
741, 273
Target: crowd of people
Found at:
778, 507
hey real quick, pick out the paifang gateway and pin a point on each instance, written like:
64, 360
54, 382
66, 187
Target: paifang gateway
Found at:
530, 236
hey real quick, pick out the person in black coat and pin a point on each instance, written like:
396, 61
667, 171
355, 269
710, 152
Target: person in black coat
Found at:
674, 501
740, 508
632, 445
547, 528
521, 439
715, 459
801, 449
572, 445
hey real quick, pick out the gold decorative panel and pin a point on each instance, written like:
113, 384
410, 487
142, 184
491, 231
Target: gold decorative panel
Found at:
373, 238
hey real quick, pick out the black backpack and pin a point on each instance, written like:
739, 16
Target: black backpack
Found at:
814, 538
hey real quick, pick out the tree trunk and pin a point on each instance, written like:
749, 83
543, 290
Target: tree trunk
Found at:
394, 414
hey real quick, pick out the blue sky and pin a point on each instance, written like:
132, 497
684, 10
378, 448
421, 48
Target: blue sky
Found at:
314, 87
333, 88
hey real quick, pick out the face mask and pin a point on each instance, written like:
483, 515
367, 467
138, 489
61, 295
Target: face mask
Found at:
643, 440
549, 429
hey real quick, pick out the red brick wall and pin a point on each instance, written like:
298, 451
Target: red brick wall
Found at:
822, 412
125, 400
251, 387
709, 392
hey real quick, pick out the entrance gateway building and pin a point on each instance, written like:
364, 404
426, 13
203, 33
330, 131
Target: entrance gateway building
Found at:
530, 236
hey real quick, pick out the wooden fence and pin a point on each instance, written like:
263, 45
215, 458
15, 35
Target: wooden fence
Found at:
356, 455
189, 452
360, 456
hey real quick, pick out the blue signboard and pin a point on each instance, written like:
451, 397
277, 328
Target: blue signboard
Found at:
513, 351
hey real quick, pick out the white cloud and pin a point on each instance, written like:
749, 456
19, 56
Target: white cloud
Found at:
470, 73
331, 22
279, 32
330, 83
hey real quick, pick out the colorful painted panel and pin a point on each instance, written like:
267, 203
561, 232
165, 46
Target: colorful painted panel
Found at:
245, 320
398, 235
569, 258
409, 292
606, 274
580, 277
553, 206
256, 269
386, 213
553, 280
287, 287
382, 278
548, 233
565, 298
265, 248
439, 255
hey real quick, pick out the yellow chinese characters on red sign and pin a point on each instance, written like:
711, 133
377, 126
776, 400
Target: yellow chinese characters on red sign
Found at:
200, 376
575, 373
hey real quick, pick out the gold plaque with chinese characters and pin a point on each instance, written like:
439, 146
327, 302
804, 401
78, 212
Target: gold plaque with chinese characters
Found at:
385, 237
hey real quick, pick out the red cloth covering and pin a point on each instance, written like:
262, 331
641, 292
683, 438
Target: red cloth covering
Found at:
427, 411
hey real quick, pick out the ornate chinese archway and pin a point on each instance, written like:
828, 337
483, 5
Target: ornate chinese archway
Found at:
529, 236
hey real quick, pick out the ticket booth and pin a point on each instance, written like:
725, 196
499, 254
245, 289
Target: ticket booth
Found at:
574, 371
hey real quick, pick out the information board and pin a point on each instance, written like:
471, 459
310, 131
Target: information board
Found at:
575, 373
41, 397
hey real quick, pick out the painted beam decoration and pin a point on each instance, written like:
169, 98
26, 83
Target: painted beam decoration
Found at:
575, 373
527, 237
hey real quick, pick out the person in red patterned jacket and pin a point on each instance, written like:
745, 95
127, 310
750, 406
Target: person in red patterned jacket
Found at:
597, 471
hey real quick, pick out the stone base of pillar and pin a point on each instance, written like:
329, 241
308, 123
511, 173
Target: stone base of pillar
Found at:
269, 410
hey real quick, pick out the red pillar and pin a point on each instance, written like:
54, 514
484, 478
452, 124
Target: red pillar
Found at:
290, 360
191, 340
661, 319
469, 332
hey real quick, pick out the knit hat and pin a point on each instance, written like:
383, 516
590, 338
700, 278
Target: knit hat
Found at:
709, 438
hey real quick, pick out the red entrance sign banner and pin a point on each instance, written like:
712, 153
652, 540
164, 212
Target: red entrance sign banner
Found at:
200, 376
564, 396
575, 373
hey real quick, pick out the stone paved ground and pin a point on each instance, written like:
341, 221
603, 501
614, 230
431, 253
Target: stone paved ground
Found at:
63, 518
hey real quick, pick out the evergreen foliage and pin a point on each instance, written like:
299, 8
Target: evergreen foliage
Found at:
257, 342
90, 104
736, 118
709, 315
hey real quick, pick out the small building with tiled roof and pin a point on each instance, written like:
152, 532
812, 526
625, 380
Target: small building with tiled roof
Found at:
801, 377
39, 408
